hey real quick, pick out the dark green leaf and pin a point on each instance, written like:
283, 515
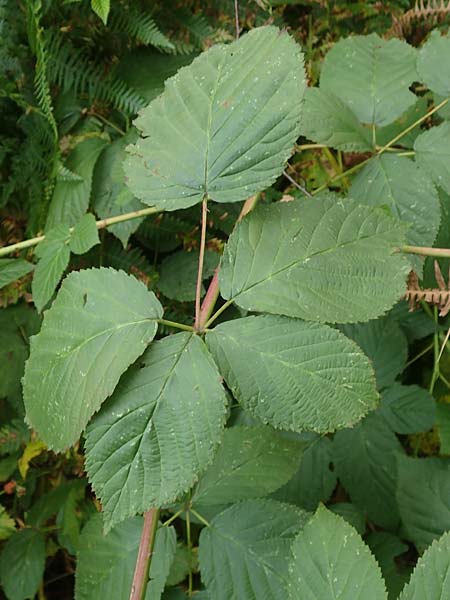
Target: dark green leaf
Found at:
22, 563
12, 269
178, 274
408, 408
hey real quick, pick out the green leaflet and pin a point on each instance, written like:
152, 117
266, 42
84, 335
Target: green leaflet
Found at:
251, 462
84, 235
352, 514
430, 579
54, 255
371, 76
386, 547
101, 8
409, 193
110, 195
70, 199
326, 260
22, 563
331, 562
156, 434
424, 508
293, 374
433, 63
12, 269
314, 481
224, 126
7, 525
385, 134
327, 120
365, 462
432, 149
105, 562
100, 322
384, 343
245, 551
408, 408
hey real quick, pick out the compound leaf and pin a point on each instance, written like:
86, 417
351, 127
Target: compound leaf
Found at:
245, 551
326, 260
224, 126
251, 462
331, 562
371, 76
159, 430
293, 374
100, 322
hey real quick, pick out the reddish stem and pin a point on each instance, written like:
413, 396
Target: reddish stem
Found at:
201, 258
141, 572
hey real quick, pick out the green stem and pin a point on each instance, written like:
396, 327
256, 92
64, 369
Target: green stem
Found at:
141, 573
172, 518
218, 313
101, 224
189, 545
200, 518
175, 325
424, 251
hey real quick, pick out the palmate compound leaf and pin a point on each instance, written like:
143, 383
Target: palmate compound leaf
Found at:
246, 550
372, 76
431, 577
159, 430
326, 259
100, 322
224, 126
331, 562
293, 374
105, 562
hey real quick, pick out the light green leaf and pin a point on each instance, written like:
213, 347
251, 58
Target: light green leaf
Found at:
384, 343
54, 254
432, 149
385, 134
245, 551
386, 547
430, 579
314, 481
433, 63
105, 563
443, 425
101, 8
17, 323
12, 269
423, 490
408, 408
110, 196
7, 526
327, 260
371, 76
84, 235
365, 462
178, 274
293, 374
331, 562
71, 198
224, 126
398, 183
327, 120
100, 322
251, 462
22, 563
156, 434
353, 515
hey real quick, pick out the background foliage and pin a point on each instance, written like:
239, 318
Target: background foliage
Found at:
73, 76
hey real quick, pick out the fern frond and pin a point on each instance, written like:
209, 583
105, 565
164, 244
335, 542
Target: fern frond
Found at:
70, 69
141, 27
430, 10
